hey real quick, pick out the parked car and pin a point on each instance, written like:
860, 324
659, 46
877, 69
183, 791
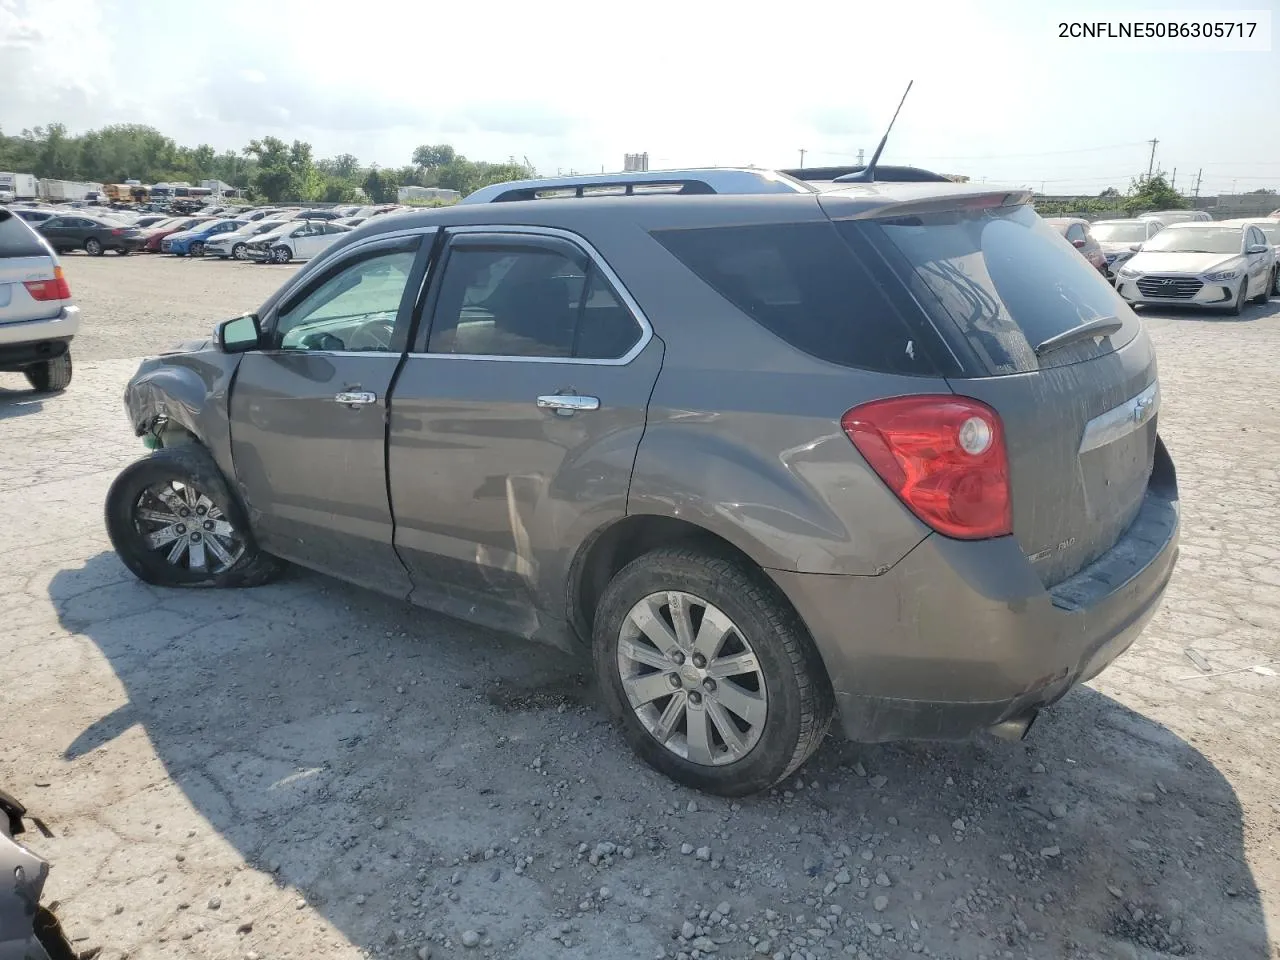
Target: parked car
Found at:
1271, 230
234, 244
294, 240
1077, 234
35, 215
352, 222
193, 241
154, 237
150, 220
316, 215
718, 440
1120, 239
92, 234
37, 318
1168, 217
1201, 265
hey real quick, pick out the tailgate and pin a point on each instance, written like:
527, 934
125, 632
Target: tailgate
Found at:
16, 303
1042, 338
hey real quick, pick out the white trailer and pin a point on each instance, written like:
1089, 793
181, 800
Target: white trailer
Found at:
23, 186
60, 191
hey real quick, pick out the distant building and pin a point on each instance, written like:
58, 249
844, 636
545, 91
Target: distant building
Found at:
220, 189
635, 162
410, 194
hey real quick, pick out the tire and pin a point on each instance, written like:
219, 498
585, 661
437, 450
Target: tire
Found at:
124, 251
51, 376
209, 502
1265, 295
93, 247
1237, 308
794, 712
197, 249
237, 252
281, 255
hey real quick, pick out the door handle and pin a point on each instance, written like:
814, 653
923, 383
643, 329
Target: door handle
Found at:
355, 398
568, 403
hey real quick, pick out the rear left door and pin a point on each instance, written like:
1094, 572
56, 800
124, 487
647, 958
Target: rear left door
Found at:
309, 409
515, 421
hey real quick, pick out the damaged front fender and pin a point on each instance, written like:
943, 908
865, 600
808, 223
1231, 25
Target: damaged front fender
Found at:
28, 931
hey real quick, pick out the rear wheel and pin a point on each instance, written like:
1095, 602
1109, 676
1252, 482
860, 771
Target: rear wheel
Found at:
93, 247
174, 522
281, 254
713, 675
51, 376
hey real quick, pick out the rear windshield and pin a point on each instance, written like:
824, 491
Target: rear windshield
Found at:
17, 239
1206, 239
1001, 279
805, 285
1120, 232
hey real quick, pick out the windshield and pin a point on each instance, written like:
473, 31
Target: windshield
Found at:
1003, 280
1120, 232
1207, 239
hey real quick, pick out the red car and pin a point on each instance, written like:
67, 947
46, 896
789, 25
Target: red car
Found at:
1077, 232
153, 236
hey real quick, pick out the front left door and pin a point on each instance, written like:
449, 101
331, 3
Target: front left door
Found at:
309, 410
1259, 263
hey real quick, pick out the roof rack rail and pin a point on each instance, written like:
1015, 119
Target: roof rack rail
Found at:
707, 180
884, 174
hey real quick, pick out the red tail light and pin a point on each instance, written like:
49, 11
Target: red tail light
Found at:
945, 458
55, 289
116, 231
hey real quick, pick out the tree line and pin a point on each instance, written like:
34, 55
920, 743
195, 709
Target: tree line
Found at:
268, 169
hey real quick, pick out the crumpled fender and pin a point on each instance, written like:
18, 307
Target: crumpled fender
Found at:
28, 931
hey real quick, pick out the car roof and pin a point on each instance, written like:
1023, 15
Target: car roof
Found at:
1066, 220
691, 180
1125, 220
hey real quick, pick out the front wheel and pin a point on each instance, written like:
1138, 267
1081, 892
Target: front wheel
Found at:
1237, 307
174, 523
1265, 293
238, 251
51, 376
713, 675
197, 249
124, 251
93, 247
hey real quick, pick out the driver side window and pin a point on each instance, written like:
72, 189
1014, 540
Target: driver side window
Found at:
353, 309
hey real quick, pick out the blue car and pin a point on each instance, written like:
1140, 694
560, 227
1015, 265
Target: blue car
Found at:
192, 241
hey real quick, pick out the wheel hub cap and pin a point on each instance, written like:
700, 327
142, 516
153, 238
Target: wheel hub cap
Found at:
181, 522
711, 709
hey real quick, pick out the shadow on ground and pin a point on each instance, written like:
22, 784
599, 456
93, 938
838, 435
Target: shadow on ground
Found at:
373, 757
19, 403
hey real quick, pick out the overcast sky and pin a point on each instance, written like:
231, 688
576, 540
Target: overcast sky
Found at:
576, 85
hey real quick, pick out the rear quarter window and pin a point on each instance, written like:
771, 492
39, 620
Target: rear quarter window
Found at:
999, 281
807, 286
19, 240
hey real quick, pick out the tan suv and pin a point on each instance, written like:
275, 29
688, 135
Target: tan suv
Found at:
37, 317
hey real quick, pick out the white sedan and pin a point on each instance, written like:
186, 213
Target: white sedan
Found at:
1201, 265
294, 240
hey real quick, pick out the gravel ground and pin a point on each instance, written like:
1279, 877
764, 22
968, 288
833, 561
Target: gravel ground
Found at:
308, 770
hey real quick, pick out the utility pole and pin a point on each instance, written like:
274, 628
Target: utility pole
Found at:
803, 151
859, 156
1173, 184
1198, 173
1151, 164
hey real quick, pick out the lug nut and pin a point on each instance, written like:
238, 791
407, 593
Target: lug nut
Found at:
709, 685
195, 538
695, 697
674, 680
699, 661
677, 657
208, 524
184, 512
181, 528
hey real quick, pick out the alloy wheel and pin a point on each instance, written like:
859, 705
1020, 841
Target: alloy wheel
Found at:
692, 679
181, 522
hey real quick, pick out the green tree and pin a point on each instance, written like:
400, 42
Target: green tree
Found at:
380, 185
437, 155
1152, 193
273, 180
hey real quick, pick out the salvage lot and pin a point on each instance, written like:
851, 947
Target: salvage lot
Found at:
309, 770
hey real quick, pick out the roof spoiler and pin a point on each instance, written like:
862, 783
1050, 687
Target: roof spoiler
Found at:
884, 174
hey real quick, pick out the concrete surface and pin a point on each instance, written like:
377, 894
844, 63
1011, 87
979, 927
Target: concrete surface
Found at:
307, 770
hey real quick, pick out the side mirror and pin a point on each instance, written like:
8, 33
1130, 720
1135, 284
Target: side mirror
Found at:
239, 335
1257, 248
1136, 247
1078, 244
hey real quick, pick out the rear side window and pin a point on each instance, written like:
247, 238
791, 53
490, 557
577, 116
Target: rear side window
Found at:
17, 239
805, 285
1000, 279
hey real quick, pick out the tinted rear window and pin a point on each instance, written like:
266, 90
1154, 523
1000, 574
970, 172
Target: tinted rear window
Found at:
17, 239
803, 283
1002, 279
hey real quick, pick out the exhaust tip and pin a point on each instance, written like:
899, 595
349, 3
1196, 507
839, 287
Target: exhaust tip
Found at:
1015, 728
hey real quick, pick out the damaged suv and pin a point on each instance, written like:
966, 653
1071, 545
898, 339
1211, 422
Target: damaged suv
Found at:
887, 452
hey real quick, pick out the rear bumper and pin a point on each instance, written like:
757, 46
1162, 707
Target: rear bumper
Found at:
961, 636
33, 341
